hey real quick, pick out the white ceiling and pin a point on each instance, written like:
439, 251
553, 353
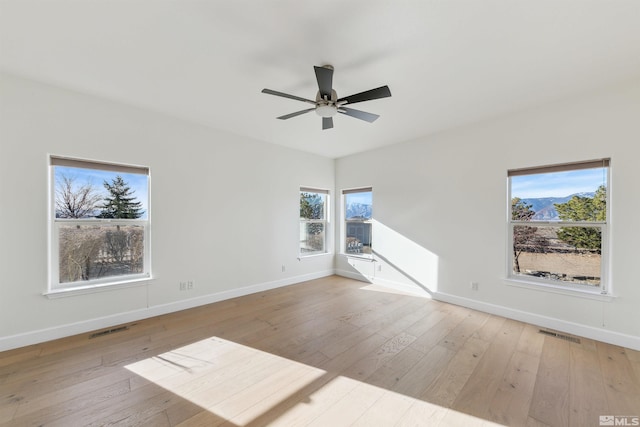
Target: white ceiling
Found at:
447, 62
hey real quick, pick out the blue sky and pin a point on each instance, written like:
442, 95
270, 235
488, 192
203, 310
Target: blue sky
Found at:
557, 184
362, 198
137, 182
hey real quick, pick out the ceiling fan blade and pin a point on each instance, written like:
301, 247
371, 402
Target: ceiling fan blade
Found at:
327, 123
297, 113
325, 81
286, 95
362, 115
381, 92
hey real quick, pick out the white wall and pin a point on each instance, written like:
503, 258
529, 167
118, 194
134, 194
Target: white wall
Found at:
445, 197
224, 209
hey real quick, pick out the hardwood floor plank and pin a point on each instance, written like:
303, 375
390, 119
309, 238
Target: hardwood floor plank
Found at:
376, 359
274, 395
459, 335
512, 400
586, 389
313, 404
432, 334
444, 390
478, 392
622, 388
490, 328
550, 401
49, 414
390, 373
424, 372
634, 360
385, 411
422, 414
346, 411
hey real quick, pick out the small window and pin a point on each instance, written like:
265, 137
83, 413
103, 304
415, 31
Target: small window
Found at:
313, 221
100, 223
558, 225
358, 221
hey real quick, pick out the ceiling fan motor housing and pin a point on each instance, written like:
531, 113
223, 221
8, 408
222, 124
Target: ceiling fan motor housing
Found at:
327, 107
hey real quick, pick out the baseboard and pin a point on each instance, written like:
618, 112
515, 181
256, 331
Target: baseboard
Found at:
352, 275
401, 287
598, 334
48, 334
404, 287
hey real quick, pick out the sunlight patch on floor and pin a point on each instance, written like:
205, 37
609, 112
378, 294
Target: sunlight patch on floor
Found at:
393, 290
239, 385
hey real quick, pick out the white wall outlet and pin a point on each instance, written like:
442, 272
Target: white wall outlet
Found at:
284, 268
474, 286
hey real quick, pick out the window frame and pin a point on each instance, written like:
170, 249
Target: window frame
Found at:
604, 288
325, 221
345, 223
54, 285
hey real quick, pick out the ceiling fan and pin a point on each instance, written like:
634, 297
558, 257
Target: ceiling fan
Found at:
327, 103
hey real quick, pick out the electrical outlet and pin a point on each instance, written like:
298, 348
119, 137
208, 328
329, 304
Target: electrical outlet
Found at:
186, 285
474, 286
284, 268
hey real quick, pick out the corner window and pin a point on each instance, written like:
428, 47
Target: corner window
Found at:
99, 223
313, 221
558, 225
357, 236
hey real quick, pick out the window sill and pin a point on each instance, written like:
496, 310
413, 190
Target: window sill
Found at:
363, 257
91, 289
543, 287
303, 257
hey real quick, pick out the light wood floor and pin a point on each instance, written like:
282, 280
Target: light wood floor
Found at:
329, 352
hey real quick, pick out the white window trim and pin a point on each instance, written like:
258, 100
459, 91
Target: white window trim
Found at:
93, 288
560, 289
604, 292
325, 221
55, 289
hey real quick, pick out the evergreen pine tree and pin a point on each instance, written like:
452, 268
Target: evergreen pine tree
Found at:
583, 209
120, 203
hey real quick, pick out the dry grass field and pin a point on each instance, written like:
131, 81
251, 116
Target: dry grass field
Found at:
571, 264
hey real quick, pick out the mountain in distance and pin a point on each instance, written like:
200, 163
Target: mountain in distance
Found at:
544, 206
358, 210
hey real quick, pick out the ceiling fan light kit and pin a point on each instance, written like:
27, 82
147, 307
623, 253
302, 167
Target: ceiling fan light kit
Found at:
327, 103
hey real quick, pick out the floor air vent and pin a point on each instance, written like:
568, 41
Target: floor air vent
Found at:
561, 336
108, 331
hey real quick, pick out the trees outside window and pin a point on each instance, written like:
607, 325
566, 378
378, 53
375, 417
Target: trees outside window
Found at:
120, 201
558, 225
313, 221
100, 223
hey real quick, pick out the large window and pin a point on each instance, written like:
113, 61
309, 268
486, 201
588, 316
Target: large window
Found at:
313, 221
558, 225
357, 234
99, 223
